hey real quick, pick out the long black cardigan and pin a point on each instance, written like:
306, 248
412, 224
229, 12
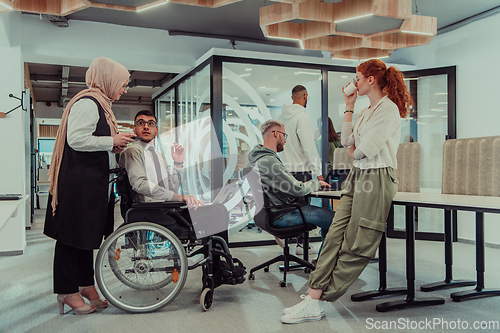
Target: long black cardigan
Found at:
84, 213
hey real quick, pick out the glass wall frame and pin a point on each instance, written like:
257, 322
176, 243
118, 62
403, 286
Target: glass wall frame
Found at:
216, 64
447, 76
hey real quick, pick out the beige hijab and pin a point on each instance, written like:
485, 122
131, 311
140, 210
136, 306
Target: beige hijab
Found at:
104, 78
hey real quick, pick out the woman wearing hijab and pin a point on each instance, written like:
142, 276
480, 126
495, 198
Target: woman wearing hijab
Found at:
80, 209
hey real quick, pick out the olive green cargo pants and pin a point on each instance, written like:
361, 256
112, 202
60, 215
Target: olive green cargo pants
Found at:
356, 230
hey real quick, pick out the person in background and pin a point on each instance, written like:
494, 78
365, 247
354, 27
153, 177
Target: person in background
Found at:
359, 221
333, 143
281, 187
81, 204
300, 156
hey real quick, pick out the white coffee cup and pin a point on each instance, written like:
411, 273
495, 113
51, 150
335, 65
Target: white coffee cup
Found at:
350, 89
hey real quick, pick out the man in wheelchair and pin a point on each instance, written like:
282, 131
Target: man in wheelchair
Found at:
152, 180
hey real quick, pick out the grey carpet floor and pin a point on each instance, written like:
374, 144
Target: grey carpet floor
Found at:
28, 305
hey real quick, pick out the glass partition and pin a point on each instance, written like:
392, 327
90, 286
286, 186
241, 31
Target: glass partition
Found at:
428, 125
230, 97
192, 131
251, 95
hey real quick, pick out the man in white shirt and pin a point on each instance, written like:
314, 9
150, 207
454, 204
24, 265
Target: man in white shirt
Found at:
300, 155
152, 181
148, 171
150, 176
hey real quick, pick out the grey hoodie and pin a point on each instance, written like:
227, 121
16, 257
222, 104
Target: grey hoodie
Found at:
279, 185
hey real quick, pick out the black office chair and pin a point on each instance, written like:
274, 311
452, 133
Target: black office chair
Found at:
263, 220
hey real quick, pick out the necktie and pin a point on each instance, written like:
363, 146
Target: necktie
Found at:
156, 161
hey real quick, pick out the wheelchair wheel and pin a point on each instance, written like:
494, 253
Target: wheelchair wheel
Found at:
206, 299
141, 267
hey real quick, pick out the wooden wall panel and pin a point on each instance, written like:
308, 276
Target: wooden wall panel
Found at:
47, 131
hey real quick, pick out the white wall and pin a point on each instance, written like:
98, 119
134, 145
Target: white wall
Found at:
475, 50
13, 175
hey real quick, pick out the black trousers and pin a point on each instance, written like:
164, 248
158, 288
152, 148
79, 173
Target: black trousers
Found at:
73, 268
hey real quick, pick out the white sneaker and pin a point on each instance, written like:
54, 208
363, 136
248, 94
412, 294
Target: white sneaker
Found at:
307, 310
288, 310
299, 250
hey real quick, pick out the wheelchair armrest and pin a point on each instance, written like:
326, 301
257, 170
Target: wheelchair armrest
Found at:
159, 205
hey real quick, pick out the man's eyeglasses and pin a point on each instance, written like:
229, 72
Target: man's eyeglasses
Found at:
142, 123
284, 134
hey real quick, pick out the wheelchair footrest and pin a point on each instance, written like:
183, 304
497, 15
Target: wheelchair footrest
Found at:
226, 276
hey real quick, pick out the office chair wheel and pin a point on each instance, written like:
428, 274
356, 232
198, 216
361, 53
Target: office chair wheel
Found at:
266, 269
307, 270
282, 284
206, 299
251, 277
141, 267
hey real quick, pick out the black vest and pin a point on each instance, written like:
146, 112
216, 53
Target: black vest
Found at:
84, 213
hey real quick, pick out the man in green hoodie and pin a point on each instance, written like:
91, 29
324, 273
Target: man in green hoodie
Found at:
281, 187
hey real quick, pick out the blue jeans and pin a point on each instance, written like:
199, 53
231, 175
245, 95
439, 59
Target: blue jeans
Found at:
318, 216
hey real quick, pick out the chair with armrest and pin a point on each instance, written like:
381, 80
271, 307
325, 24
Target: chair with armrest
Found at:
262, 219
142, 266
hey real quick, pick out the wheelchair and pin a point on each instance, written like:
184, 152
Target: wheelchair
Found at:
143, 266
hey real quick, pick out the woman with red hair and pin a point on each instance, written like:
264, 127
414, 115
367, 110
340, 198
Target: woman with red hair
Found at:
356, 230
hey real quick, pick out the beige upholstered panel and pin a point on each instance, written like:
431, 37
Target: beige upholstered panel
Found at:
448, 185
460, 167
408, 171
341, 160
472, 170
495, 188
472, 166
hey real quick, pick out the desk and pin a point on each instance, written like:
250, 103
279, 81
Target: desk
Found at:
12, 229
477, 204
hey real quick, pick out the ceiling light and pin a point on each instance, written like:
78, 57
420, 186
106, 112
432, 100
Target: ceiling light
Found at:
268, 89
247, 74
248, 69
445, 116
417, 33
411, 79
272, 100
343, 59
427, 116
235, 98
151, 5
286, 38
437, 110
306, 73
375, 58
344, 76
354, 18
443, 103
441, 94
